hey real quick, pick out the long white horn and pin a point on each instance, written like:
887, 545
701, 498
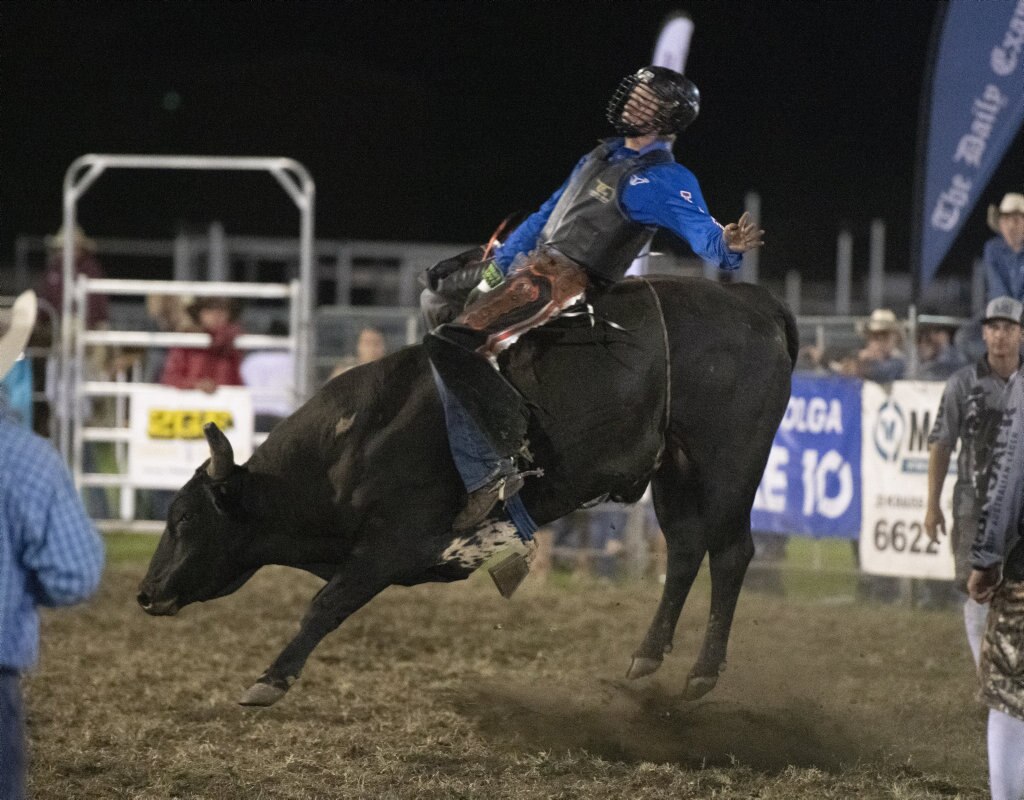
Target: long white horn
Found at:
23, 318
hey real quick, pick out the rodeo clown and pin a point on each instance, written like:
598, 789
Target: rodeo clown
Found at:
583, 238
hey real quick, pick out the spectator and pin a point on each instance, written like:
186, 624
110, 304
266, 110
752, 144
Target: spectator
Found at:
216, 365
270, 374
972, 405
50, 555
1004, 254
166, 313
997, 578
881, 359
937, 358
51, 287
369, 347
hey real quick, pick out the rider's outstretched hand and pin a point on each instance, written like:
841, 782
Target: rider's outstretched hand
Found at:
743, 235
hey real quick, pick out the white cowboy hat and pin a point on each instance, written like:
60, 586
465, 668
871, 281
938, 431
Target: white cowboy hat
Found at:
56, 241
881, 320
1012, 203
12, 343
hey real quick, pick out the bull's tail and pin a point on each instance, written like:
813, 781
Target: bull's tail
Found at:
790, 330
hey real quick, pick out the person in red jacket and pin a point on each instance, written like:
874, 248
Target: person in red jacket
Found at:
216, 365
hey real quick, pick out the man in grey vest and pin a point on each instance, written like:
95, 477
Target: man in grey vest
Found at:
585, 236
972, 406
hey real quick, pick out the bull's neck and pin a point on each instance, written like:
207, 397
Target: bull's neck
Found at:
291, 550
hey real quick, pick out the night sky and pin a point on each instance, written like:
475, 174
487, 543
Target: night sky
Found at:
434, 120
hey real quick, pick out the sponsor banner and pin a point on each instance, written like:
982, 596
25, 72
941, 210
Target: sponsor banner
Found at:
811, 484
894, 467
974, 110
167, 441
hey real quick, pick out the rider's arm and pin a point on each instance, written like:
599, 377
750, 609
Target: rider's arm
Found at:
524, 238
669, 196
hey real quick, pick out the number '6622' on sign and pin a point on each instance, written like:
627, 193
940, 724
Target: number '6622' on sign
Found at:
175, 424
901, 537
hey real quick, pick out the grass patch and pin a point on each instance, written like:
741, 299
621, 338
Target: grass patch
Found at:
128, 548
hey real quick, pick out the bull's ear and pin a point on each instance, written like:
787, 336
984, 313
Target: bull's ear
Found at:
227, 495
222, 457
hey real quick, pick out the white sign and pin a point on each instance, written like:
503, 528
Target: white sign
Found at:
168, 443
894, 471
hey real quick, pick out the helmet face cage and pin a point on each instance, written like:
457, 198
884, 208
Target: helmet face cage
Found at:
663, 102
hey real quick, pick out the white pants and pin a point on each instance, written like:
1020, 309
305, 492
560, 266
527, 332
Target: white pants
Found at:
1005, 756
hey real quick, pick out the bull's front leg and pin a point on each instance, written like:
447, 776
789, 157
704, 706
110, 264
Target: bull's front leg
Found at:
352, 587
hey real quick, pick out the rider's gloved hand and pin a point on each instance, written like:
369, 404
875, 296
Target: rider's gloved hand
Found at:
442, 269
492, 277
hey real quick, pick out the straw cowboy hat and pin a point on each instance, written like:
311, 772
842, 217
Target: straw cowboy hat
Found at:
12, 343
1012, 203
232, 304
882, 320
56, 242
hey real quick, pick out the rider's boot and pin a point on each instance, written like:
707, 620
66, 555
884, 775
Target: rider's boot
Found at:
505, 483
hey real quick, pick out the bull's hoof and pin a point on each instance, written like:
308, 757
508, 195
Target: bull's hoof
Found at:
262, 694
699, 685
642, 666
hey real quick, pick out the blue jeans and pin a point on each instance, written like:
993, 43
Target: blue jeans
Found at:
12, 737
475, 458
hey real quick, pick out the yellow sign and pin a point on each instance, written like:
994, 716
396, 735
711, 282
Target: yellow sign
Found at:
185, 424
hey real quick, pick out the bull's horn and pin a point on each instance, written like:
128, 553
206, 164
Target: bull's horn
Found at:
222, 458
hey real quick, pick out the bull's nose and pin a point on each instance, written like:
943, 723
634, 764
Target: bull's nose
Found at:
158, 608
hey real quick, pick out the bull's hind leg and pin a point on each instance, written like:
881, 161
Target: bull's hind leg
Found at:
675, 501
728, 566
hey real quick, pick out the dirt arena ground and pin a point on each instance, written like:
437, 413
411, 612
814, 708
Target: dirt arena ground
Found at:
453, 692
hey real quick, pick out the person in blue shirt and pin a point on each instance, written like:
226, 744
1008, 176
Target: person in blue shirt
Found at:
50, 553
1004, 254
583, 238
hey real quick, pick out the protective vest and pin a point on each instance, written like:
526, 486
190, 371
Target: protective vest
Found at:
588, 224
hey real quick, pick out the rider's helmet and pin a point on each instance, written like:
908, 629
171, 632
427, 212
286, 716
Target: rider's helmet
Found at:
664, 102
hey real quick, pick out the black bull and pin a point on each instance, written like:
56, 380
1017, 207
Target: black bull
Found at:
358, 486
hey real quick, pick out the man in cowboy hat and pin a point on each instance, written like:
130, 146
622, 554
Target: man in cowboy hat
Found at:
1004, 254
50, 554
219, 363
51, 286
881, 359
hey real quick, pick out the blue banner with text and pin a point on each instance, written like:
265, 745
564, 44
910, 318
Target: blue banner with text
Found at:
976, 106
812, 484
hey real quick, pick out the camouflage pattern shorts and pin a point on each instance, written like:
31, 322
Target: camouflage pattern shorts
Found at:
1002, 652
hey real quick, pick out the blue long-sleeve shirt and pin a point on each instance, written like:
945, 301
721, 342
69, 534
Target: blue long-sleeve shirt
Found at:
50, 553
666, 195
1004, 269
